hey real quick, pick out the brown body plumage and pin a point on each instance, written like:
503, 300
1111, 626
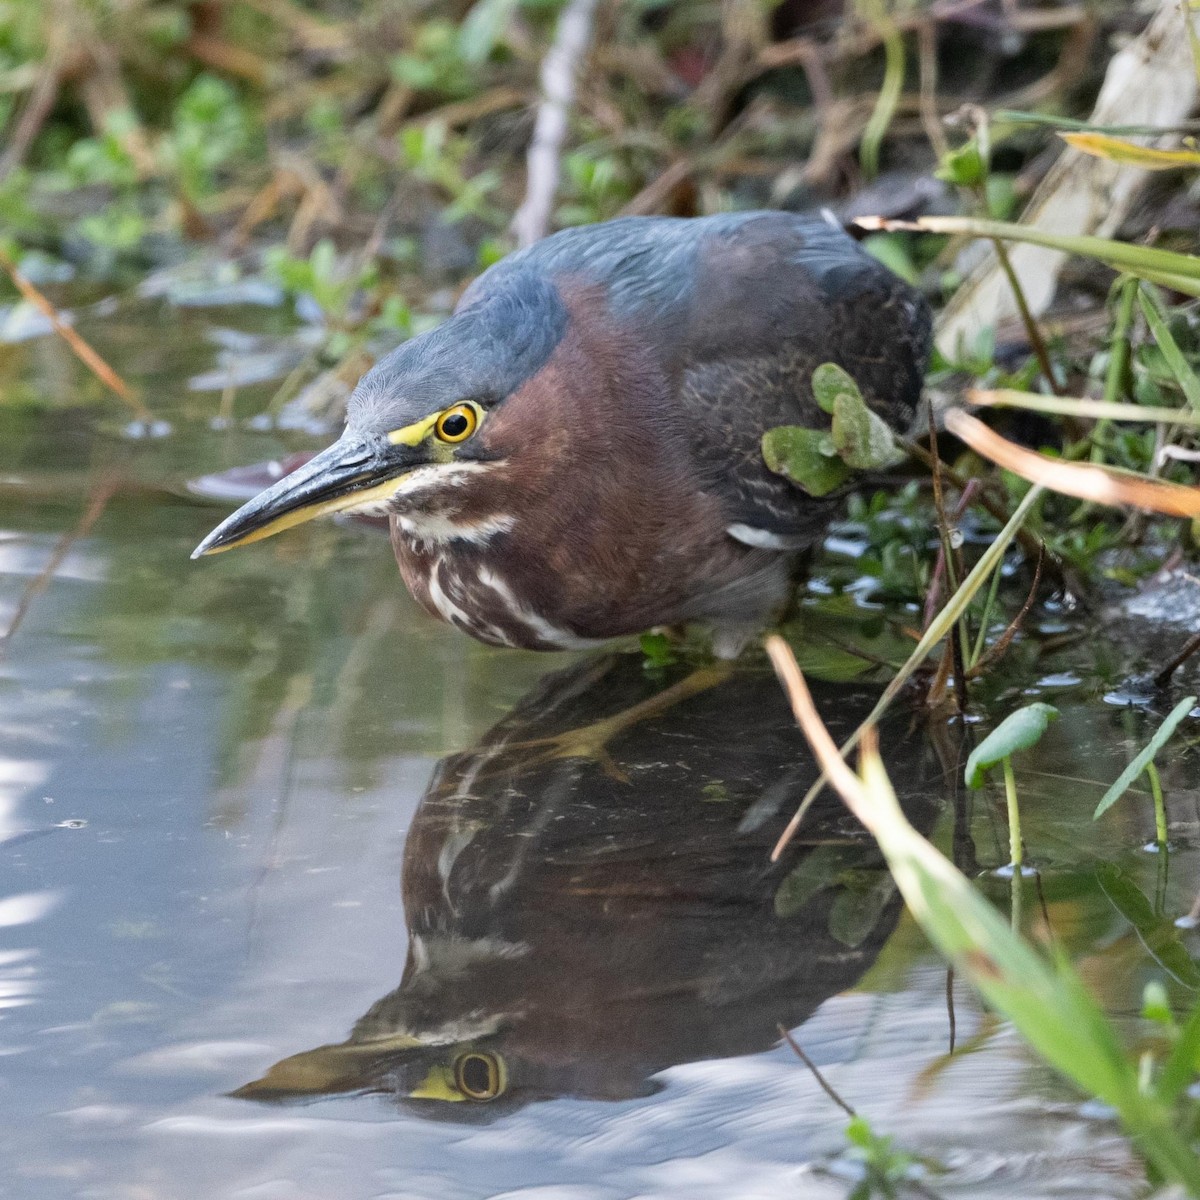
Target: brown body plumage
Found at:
616, 381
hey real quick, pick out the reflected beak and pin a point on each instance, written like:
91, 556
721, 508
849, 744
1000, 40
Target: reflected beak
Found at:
352, 473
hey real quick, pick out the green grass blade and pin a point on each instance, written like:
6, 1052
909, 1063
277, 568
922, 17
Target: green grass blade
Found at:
889, 92
1156, 933
941, 625
1046, 1002
1018, 117
1183, 1063
1180, 367
1139, 764
1143, 261
1084, 408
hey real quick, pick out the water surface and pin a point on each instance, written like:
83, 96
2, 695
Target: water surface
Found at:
287, 863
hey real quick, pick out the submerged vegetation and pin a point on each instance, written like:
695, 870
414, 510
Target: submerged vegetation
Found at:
362, 162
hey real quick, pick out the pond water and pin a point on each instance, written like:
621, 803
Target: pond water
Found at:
289, 868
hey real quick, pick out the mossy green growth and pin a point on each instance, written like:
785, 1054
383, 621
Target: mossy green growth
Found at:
820, 461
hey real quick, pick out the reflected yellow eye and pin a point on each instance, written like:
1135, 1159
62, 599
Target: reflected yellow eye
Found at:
480, 1076
457, 424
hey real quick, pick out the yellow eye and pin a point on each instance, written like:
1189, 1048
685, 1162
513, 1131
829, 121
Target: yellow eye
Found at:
480, 1076
457, 424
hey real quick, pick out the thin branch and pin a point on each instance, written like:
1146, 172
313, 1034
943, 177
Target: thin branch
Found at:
826, 1086
81, 349
1189, 648
39, 582
37, 108
559, 69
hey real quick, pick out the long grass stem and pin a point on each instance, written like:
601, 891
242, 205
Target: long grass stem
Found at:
1160, 806
1118, 360
941, 625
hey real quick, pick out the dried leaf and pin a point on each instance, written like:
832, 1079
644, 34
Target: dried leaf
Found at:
1096, 484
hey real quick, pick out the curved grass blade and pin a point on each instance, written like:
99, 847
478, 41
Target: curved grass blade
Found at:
1146, 757
1083, 407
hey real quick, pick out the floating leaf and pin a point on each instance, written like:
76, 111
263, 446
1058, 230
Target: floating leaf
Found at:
857, 910
829, 381
1018, 731
1157, 934
797, 453
1146, 757
820, 868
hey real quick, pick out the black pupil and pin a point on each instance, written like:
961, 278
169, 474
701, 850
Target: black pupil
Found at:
476, 1076
455, 425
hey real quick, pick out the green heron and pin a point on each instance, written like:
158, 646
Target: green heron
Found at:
572, 936
575, 455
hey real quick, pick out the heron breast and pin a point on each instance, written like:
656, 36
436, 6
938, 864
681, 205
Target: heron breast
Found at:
464, 589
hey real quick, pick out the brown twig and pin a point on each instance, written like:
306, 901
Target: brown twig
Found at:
1036, 341
33, 116
950, 1014
1074, 479
994, 653
1186, 651
39, 582
81, 349
826, 1086
1029, 542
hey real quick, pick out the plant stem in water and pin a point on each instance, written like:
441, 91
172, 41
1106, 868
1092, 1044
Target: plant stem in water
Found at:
1160, 806
1014, 816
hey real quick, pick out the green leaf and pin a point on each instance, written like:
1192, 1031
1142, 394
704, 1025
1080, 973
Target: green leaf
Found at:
1146, 757
1156, 933
820, 868
795, 452
657, 650
1183, 1063
1120, 150
829, 381
863, 899
1156, 1004
482, 29
861, 438
963, 167
1018, 731
1189, 384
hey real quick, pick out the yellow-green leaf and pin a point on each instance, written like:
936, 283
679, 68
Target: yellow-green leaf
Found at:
798, 454
1121, 150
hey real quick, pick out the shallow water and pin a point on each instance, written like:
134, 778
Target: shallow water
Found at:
270, 830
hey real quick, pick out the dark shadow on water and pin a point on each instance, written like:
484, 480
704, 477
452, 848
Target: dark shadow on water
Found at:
576, 925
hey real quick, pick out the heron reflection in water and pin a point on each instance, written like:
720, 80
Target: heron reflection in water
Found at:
578, 924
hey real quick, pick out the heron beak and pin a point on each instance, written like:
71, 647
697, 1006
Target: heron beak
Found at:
354, 472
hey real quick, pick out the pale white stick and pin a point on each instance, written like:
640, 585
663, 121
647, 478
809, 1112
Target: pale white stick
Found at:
532, 219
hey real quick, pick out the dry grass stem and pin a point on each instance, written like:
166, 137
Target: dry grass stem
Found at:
1084, 482
79, 347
